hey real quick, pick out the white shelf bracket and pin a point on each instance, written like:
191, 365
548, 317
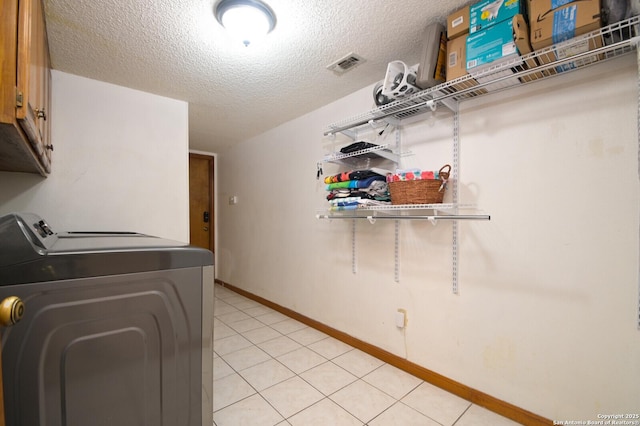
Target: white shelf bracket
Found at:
354, 259
396, 253
454, 227
638, 130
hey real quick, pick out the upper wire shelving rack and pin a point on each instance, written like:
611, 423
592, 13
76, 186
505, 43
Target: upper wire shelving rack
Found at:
606, 43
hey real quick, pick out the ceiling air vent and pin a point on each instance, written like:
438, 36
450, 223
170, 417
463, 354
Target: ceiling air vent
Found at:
346, 63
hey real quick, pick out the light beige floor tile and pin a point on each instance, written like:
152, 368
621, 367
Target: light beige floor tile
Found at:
279, 346
230, 344
221, 369
374, 397
291, 396
222, 308
245, 358
257, 310
436, 403
246, 304
401, 415
223, 293
362, 400
266, 374
271, 318
252, 411
237, 299
392, 380
478, 416
330, 347
357, 362
328, 378
246, 325
232, 317
288, 326
230, 390
222, 330
260, 335
301, 360
307, 336
324, 413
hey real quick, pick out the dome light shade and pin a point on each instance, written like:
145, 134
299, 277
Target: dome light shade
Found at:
247, 20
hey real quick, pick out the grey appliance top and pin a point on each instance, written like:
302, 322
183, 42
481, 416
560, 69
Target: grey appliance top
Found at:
30, 251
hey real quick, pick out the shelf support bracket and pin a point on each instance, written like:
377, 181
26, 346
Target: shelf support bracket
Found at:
354, 259
454, 225
638, 124
396, 253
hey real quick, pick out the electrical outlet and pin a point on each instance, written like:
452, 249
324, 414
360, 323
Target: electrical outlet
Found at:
401, 318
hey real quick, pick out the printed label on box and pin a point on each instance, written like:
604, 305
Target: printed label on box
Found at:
453, 59
559, 3
458, 21
486, 13
564, 24
508, 48
569, 51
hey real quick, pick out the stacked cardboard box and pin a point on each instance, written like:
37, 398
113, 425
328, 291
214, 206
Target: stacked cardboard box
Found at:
491, 32
556, 21
482, 33
457, 32
486, 32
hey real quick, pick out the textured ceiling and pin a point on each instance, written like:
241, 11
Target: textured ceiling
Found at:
176, 48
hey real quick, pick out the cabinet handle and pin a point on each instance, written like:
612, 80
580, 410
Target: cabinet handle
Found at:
11, 310
41, 113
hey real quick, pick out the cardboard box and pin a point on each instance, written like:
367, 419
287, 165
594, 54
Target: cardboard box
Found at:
458, 23
496, 43
456, 65
456, 58
521, 38
555, 21
486, 13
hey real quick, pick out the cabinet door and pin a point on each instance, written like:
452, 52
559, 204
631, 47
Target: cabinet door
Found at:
33, 75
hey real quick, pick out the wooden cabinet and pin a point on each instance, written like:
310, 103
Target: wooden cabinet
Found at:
25, 88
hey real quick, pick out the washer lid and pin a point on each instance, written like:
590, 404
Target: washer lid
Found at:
31, 252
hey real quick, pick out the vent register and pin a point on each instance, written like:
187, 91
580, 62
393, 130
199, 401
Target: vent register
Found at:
346, 63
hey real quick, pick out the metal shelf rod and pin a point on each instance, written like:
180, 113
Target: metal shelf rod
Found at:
421, 217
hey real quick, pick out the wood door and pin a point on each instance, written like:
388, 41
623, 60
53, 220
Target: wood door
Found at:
201, 201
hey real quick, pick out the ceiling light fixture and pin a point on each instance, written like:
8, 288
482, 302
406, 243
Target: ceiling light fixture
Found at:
248, 20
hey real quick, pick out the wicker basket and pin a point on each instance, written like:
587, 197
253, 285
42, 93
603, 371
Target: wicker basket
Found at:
423, 191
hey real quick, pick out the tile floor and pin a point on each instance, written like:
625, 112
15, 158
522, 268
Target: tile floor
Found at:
270, 369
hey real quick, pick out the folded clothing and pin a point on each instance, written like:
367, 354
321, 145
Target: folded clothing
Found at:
357, 146
356, 175
378, 190
355, 184
352, 203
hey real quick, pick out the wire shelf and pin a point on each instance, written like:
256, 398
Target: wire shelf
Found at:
604, 44
441, 211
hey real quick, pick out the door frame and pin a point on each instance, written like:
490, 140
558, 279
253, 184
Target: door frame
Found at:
213, 197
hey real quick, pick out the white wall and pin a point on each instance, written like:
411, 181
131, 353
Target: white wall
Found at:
546, 317
120, 162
